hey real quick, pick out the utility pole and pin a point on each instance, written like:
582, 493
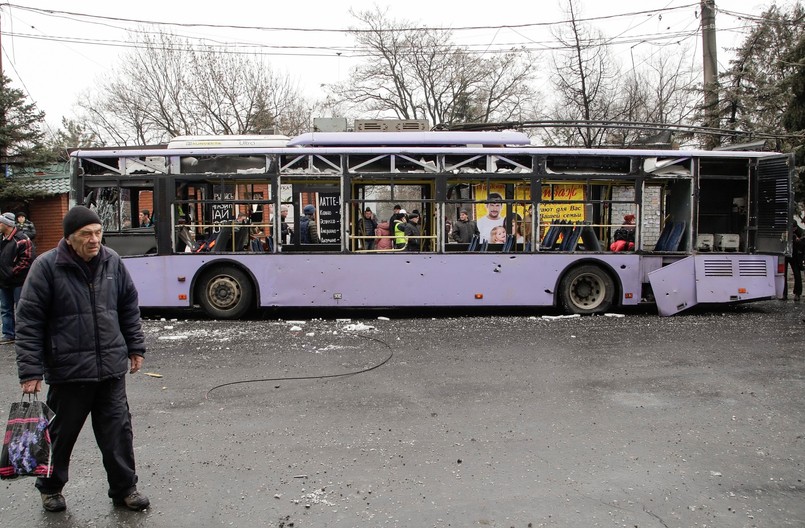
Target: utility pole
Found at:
710, 66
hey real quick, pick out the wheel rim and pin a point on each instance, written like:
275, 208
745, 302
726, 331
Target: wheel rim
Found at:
588, 291
224, 292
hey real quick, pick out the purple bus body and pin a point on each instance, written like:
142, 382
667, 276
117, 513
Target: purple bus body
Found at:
458, 280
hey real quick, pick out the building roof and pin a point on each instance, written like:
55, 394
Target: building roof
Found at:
53, 179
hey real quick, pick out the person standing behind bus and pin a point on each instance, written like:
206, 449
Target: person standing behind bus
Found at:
795, 260
413, 233
464, 228
145, 218
366, 228
308, 232
492, 218
398, 228
16, 256
286, 233
26, 226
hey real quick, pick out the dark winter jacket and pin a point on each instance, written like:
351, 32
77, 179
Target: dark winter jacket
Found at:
28, 228
464, 231
412, 233
16, 256
308, 230
71, 328
624, 233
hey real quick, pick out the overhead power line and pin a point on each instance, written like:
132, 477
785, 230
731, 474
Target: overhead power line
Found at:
54, 12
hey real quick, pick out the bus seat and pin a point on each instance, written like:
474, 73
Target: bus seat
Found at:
671, 237
223, 242
571, 240
591, 242
474, 243
552, 234
241, 238
509, 244
675, 238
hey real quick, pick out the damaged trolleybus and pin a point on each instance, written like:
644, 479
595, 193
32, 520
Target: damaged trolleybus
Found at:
242, 222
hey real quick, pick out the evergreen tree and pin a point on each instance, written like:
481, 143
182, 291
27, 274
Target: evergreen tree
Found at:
756, 91
763, 89
21, 142
794, 115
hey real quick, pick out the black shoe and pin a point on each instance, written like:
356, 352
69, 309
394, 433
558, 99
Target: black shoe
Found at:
135, 501
53, 502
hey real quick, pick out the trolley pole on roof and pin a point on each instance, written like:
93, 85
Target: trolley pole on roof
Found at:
710, 67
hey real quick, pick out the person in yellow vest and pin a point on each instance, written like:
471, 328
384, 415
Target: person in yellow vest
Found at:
399, 229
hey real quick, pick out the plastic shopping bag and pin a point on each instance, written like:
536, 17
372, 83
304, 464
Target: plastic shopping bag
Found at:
26, 444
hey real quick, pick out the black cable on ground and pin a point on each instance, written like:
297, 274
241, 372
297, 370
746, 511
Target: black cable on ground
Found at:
324, 376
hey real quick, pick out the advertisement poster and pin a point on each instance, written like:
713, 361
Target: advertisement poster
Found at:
490, 217
570, 212
222, 213
329, 218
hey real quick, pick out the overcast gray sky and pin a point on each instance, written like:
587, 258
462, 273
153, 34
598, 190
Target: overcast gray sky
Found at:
54, 49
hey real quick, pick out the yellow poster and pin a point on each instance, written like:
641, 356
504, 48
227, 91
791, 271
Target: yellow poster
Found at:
490, 215
570, 212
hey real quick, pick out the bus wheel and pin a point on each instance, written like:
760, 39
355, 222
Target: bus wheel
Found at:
225, 293
587, 290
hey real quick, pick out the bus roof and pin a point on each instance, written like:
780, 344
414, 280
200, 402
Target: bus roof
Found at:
231, 141
423, 139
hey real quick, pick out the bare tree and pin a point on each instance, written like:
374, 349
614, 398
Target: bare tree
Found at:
417, 73
586, 81
592, 87
170, 87
663, 90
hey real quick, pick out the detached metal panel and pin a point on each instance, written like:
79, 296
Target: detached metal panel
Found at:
674, 286
773, 201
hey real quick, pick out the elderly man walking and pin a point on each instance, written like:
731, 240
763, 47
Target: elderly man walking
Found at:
78, 327
16, 256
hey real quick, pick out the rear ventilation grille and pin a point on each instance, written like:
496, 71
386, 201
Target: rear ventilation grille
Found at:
746, 268
718, 268
752, 268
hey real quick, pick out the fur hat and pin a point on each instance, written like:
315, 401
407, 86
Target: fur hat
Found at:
8, 219
78, 217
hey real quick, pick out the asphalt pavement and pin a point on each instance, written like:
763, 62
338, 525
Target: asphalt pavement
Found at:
422, 420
